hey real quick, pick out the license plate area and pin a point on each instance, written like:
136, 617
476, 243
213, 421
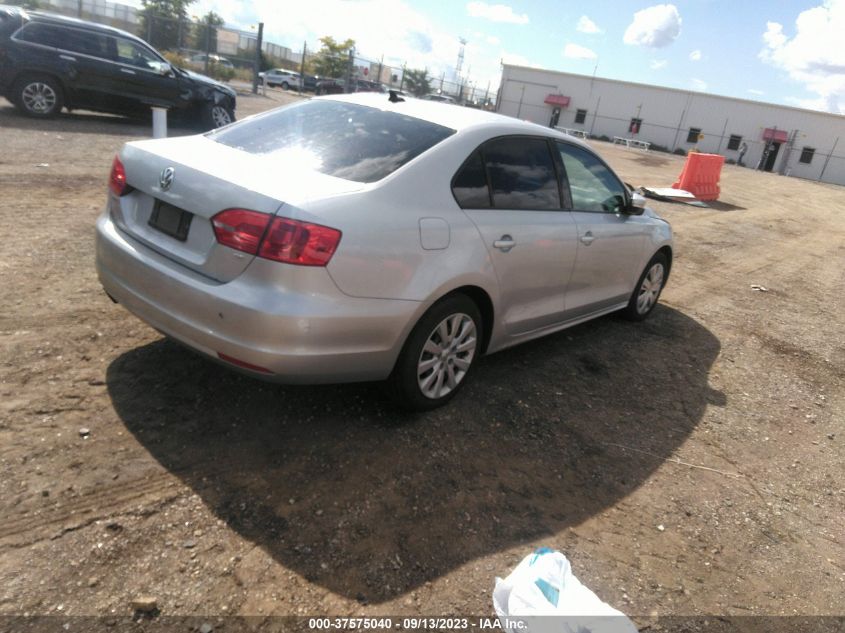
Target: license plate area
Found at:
171, 220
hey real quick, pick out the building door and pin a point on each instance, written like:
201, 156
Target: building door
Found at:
772, 155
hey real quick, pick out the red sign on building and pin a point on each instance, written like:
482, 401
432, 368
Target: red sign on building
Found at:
557, 100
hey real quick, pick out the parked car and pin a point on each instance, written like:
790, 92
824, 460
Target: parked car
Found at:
287, 79
48, 62
327, 86
310, 82
199, 59
338, 86
355, 237
441, 98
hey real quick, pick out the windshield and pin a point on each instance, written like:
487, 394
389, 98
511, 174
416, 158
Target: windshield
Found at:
345, 140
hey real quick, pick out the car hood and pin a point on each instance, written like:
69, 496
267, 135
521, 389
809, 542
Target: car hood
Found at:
208, 81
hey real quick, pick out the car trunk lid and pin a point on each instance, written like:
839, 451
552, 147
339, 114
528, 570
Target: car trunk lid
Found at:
179, 185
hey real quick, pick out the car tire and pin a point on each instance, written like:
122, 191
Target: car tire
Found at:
647, 291
217, 115
285, 85
438, 355
39, 96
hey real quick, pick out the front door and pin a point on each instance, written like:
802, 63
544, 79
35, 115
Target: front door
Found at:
142, 83
609, 240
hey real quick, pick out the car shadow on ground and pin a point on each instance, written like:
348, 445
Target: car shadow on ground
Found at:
339, 486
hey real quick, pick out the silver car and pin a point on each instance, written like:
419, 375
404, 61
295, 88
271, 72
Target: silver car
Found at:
366, 237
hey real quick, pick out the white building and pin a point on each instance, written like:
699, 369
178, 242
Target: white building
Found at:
801, 143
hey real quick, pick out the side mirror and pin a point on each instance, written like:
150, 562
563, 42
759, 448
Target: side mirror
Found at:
637, 204
162, 68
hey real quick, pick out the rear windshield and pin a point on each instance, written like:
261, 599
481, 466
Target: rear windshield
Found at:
345, 140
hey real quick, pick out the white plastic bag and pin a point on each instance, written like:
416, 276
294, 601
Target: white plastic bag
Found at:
542, 595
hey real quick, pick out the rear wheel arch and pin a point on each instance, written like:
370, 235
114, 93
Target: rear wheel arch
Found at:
484, 304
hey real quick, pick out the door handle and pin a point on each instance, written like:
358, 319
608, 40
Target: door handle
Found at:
127, 71
504, 243
587, 238
68, 58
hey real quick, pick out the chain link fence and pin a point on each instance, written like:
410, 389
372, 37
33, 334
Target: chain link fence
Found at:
230, 54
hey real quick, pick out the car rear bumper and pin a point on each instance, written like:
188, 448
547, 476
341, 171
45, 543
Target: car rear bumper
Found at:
305, 332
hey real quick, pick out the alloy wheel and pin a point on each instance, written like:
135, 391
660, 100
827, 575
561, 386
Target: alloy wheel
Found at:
447, 355
650, 288
39, 97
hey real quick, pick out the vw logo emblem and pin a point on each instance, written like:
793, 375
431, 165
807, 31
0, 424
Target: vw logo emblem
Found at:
166, 178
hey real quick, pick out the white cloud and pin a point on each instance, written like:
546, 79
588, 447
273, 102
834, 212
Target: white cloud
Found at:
695, 56
657, 64
586, 25
698, 84
492, 39
574, 51
813, 56
656, 26
754, 91
495, 13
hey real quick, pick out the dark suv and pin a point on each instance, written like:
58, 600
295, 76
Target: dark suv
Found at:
48, 62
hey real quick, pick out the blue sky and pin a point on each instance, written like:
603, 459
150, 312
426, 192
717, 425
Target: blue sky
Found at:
786, 52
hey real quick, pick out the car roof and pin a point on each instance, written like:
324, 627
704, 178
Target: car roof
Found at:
455, 117
63, 20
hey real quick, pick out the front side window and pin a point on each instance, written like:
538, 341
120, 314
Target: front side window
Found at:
522, 174
469, 186
592, 185
136, 55
344, 140
39, 33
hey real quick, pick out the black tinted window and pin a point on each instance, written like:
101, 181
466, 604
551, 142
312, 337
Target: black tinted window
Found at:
470, 184
69, 39
521, 172
339, 139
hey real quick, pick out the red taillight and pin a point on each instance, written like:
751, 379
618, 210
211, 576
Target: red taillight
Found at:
243, 363
300, 243
117, 179
286, 240
240, 229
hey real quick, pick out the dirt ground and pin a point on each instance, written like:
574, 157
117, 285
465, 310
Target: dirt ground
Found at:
688, 465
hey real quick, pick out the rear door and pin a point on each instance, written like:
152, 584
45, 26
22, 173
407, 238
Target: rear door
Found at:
82, 58
509, 189
610, 243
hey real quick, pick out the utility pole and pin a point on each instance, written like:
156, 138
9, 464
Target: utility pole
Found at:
207, 41
302, 68
349, 67
257, 69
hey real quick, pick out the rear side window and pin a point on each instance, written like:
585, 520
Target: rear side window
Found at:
522, 174
69, 39
470, 184
345, 140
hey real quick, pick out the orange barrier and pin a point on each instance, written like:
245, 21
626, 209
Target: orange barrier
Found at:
700, 175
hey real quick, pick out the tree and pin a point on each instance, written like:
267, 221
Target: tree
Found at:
417, 82
332, 59
205, 32
163, 22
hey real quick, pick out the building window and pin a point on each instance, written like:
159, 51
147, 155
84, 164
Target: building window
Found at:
807, 155
734, 141
580, 116
694, 133
635, 125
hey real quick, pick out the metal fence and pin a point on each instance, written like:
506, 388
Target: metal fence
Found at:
226, 53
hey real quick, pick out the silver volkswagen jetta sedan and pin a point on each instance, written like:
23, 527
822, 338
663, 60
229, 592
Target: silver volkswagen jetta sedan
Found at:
367, 237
